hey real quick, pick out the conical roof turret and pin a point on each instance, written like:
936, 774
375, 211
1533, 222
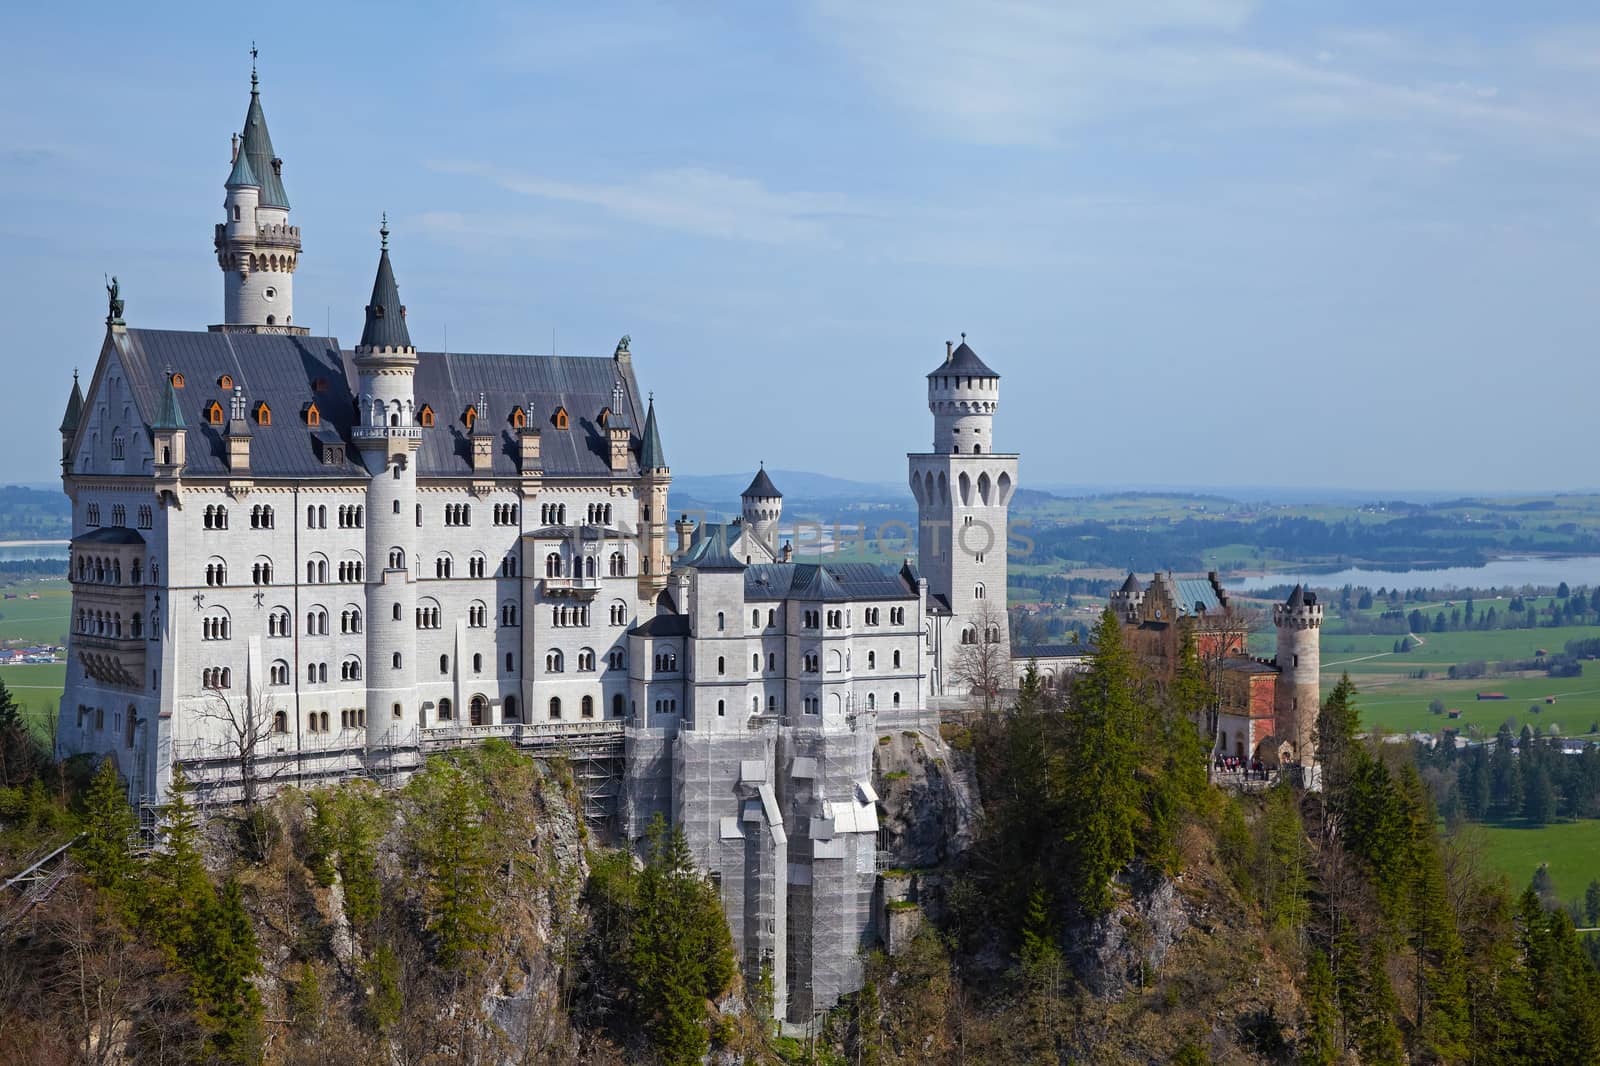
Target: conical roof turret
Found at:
256, 149
70, 420
242, 173
386, 315
169, 415
761, 487
651, 455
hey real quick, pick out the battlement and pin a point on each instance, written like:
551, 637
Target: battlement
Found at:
1307, 616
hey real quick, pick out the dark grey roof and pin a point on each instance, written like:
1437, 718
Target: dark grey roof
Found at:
964, 361
287, 372
651, 457
833, 583
1132, 584
715, 554
662, 625
110, 535
386, 315
69, 421
1300, 597
539, 384
1075, 649
241, 174
264, 162
761, 487
1239, 665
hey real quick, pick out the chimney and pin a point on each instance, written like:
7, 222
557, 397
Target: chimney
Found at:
238, 435
528, 440
949, 350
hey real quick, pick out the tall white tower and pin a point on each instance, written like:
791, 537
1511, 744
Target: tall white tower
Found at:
257, 248
963, 489
389, 438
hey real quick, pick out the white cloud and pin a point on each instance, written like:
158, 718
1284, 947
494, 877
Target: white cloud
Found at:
1024, 73
687, 199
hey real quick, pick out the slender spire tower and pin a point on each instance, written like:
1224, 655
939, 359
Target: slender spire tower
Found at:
257, 248
389, 438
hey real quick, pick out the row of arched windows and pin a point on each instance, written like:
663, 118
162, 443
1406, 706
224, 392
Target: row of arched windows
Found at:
109, 624
215, 517
991, 634
599, 514
505, 514
108, 571
552, 514
216, 677
261, 516
458, 514
565, 614
352, 516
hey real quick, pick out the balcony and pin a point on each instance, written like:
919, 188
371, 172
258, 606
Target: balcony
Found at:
585, 587
378, 433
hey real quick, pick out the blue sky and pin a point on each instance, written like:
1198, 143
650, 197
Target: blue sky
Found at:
1206, 242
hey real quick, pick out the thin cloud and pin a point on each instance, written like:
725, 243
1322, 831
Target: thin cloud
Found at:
689, 199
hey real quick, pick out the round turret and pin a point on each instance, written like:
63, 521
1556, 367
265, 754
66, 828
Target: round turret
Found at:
1299, 623
761, 508
963, 394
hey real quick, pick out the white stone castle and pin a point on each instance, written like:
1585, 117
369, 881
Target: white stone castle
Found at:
291, 562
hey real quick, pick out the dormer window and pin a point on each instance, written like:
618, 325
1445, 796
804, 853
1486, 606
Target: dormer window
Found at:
470, 417
263, 414
426, 417
561, 418
214, 413
225, 382
177, 381
604, 417
313, 416
519, 420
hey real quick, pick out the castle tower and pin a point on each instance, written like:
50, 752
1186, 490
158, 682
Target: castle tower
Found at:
654, 478
1126, 600
256, 247
762, 507
963, 489
1299, 623
389, 438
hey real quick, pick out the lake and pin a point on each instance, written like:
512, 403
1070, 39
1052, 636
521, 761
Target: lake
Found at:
11, 551
1512, 570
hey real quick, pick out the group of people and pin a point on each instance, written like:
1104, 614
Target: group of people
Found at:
1251, 769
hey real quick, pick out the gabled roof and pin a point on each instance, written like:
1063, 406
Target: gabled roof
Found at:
286, 372
386, 315
965, 362
257, 146
110, 535
651, 455
761, 487
70, 420
539, 384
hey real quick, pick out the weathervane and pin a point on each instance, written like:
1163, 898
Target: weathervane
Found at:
383, 231
252, 66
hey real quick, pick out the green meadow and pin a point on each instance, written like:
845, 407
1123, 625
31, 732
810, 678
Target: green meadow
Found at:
1571, 849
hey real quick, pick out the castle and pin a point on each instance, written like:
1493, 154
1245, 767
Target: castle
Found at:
1267, 708
292, 561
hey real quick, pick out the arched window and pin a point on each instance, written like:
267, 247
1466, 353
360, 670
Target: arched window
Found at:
552, 565
721, 622
280, 722
586, 707
508, 709
444, 664
977, 591
897, 660
619, 565
561, 418
396, 660
553, 662
619, 705
214, 413
555, 706
872, 660
426, 417
616, 658
446, 712
477, 662
397, 559
586, 659
895, 699
722, 665
478, 711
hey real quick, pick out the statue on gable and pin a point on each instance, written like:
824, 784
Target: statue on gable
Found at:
114, 302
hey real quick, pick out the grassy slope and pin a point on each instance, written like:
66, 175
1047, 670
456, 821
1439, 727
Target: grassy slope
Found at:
1572, 850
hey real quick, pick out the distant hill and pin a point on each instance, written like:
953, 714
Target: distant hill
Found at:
722, 490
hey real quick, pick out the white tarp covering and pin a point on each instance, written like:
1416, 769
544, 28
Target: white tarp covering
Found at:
752, 772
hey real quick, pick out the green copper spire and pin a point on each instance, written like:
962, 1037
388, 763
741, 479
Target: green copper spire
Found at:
257, 148
169, 417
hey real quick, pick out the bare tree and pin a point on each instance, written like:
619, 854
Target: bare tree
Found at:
983, 666
245, 723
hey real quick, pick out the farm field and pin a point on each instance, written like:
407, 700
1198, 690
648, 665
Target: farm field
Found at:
43, 620
37, 690
1572, 850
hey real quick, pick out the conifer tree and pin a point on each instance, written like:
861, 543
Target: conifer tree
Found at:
1319, 1044
1338, 722
1440, 1016
178, 887
108, 828
223, 962
453, 846
1095, 771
